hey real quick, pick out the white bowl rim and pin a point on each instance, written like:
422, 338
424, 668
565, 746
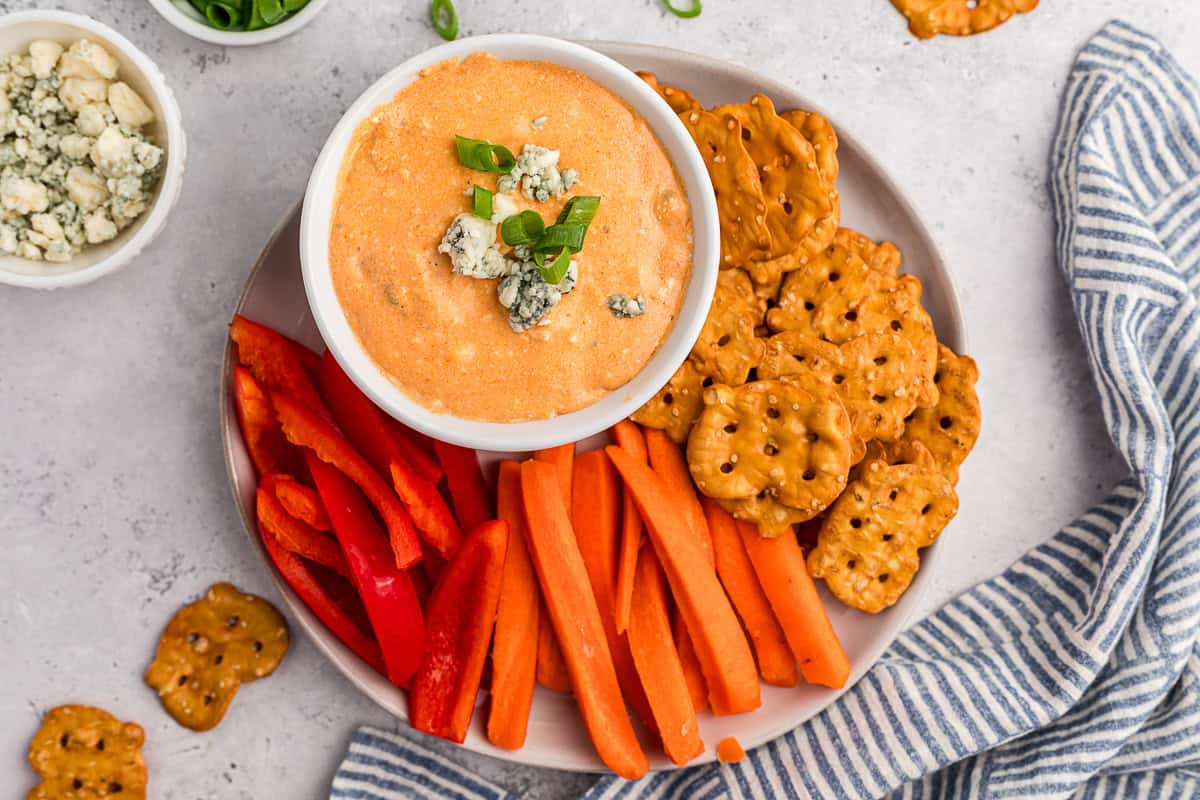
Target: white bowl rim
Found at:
172, 179
534, 434
206, 33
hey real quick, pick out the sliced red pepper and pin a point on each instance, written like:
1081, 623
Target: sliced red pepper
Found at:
275, 361
297, 576
464, 478
420, 450
270, 452
301, 502
386, 590
427, 508
295, 535
307, 429
361, 420
460, 617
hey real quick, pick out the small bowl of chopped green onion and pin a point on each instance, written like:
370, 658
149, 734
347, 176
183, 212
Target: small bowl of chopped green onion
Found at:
239, 22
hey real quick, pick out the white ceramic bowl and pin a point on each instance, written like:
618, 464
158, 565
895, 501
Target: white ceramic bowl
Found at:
136, 69
183, 16
536, 434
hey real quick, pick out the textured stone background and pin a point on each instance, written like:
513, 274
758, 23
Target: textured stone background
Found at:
114, 508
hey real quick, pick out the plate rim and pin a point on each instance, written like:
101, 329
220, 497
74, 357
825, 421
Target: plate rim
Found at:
348, 664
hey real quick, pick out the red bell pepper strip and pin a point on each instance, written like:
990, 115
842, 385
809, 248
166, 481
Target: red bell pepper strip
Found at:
301, 502
269, 451
307, 429
296, 535
386, 590
360, 420
427, 508
461, 615
367, 429
419, 449
464, 478
275, 361
296, 575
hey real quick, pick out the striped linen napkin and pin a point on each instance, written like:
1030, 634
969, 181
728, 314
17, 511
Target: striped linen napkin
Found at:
1076, 672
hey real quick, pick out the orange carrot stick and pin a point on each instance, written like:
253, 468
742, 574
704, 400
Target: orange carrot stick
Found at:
667, 459
776, 663
576, 619
720, 644
629, 438
551, 668
514, 649
658, 664
783, 575
596, 518
693, 672
563, 459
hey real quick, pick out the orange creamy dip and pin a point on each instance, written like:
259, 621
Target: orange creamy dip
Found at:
444, 339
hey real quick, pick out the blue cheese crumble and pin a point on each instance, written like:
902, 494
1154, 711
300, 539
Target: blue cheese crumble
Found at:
622, 305
471, 244
75, 167
538, 175
529, 298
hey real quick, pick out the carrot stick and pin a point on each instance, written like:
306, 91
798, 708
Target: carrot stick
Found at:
667, 459
629, 438
693, 672
658, 664
551, 668
720, 644
779, 564
576, 619
596, 518
776, 663
729, 750
563, 459
514, 648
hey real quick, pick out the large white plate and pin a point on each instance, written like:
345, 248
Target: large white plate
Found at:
871, 202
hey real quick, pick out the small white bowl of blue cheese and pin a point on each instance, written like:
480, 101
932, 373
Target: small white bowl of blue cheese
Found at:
91, 150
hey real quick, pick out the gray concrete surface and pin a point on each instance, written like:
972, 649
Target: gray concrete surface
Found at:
114, 508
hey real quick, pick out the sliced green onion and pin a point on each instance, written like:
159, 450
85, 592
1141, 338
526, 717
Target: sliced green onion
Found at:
686, 13
556, 270
269, 11
484, 156
445, 19
481, 202
557, 237
579, 210
523, 228
223, 16
291, 6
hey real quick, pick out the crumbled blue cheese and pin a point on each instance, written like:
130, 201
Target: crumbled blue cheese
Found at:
75, 167
503, 207
539, 122
537, 173
529, 298
471, 244
622, 305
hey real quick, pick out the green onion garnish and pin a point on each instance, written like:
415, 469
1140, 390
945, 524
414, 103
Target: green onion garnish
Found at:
484, 156
686, 13
223, 16
271, 11
557, 237
523, 228
481, 202
556, 270
294, 5
579, 210
445, 19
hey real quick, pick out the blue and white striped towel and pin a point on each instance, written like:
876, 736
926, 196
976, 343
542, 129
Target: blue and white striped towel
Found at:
1076, 671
